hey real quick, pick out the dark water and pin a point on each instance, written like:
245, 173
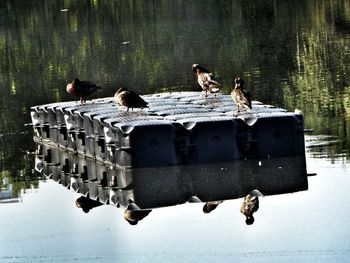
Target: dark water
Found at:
292, 54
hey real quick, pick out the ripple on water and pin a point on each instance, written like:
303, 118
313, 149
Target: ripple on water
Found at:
320, 140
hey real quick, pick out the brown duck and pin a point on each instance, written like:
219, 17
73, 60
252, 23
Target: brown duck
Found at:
81, 89
241, 96
129, 99
250, 205
206, 80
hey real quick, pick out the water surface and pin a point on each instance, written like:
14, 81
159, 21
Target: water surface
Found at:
292, 54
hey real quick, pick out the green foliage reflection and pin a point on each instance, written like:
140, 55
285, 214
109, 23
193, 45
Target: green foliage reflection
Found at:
293, 54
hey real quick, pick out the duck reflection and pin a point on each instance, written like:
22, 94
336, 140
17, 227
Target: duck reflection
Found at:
86, 204
210, 206
133, 213
250, 205
139, 191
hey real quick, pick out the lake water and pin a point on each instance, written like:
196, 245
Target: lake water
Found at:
292, 54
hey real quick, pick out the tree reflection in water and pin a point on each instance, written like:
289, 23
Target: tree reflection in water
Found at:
291, 54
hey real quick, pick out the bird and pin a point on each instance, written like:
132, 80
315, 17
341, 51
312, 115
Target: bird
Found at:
129, 99
241, 96
206, 80
210, 206
86, 204
81, 89
250, 205
133, 213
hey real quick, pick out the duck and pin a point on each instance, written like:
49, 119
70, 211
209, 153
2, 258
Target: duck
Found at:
81, 89
250, 205
86, 204
210, 206
206, 80
129, 99
241, 96
133, 213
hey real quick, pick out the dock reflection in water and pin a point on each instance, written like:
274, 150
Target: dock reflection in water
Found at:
140, 190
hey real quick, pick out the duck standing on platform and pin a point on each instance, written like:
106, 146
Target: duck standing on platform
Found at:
206, 80
250, 205
81, 89
241, 96
129, 99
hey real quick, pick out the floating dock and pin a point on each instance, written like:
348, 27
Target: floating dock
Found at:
178, 128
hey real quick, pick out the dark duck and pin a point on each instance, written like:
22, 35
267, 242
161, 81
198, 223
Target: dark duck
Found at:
250, 205
206, 80
133, 213
241, 96
129, 99
81, 89
86, 204
210, 206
